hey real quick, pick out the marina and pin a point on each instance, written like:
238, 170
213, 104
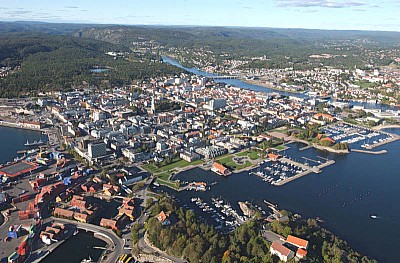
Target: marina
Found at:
358, 137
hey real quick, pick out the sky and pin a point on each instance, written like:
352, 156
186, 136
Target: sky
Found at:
314, 14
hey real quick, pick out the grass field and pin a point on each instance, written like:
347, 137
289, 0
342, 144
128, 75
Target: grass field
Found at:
228, 162
177, 163
253, 155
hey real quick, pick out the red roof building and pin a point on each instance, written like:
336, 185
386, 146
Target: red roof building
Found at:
281, 251
220, 169
298, 242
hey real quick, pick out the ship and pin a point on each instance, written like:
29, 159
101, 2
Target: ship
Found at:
34, 143
88, 260
374, 216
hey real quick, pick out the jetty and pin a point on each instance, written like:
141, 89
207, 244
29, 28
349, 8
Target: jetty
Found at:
369, 152
393, 139
309, 169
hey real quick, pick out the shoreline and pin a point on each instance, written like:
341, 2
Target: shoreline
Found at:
18, 126
260, 84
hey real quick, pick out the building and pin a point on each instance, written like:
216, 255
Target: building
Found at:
215, 104
109, 223
189, 156
163, 218
281, 251
220, 169
211, 151
17, 169
96, 149
298, 242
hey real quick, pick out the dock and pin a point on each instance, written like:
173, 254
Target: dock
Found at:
393, 139
309, 169
369, 152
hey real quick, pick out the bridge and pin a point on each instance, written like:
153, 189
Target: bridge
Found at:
225, 77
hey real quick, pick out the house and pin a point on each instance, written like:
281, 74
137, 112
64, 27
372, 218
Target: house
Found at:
163, 218
127, 210
109, 223
301, 253
63, 213
298, 242
281, 251
220, 169
274, 157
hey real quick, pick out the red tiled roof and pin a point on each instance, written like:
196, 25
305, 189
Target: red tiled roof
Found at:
280, 248
297, 241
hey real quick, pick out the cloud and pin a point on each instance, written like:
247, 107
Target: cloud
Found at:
84, 10
71, 7
19, 12
319, 3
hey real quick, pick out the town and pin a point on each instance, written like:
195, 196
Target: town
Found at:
103, 149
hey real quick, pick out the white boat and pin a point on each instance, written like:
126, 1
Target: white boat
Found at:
374, 216
89, 260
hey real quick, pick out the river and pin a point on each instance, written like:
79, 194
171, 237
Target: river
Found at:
241, 84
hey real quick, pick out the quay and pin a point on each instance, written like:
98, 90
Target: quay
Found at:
309, 169
393, 139
369, 152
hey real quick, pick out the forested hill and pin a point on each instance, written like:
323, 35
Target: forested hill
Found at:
194, 46
42, 62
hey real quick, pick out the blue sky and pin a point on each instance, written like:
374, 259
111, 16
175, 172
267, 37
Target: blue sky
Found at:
318, 14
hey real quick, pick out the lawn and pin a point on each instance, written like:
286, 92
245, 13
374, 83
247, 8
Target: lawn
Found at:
228, 162
280, 147
166, 183
164, 176
253, 155
177, 163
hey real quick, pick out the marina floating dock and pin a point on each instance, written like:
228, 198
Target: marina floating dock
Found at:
309, 169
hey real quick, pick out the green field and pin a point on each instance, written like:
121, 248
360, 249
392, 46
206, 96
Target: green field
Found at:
177, 163
280, 147
253, 155
228, 162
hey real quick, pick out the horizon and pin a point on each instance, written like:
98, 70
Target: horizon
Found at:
357, 15
193, 26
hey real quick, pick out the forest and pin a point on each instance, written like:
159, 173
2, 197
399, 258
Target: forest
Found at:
191, 239
58, 62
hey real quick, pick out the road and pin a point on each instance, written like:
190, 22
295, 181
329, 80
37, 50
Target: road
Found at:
118, 244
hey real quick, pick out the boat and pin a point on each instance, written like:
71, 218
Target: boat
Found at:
34, 143
88, 260
374, 216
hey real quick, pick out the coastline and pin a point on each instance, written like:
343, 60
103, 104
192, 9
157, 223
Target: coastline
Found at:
18, 126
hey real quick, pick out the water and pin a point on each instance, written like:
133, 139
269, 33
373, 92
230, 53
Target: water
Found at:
366, 184
77, 248
239, 83
13, 139
99, 70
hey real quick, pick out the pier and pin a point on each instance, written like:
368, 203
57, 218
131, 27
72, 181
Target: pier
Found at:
369, 152
309, 169
393, 139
